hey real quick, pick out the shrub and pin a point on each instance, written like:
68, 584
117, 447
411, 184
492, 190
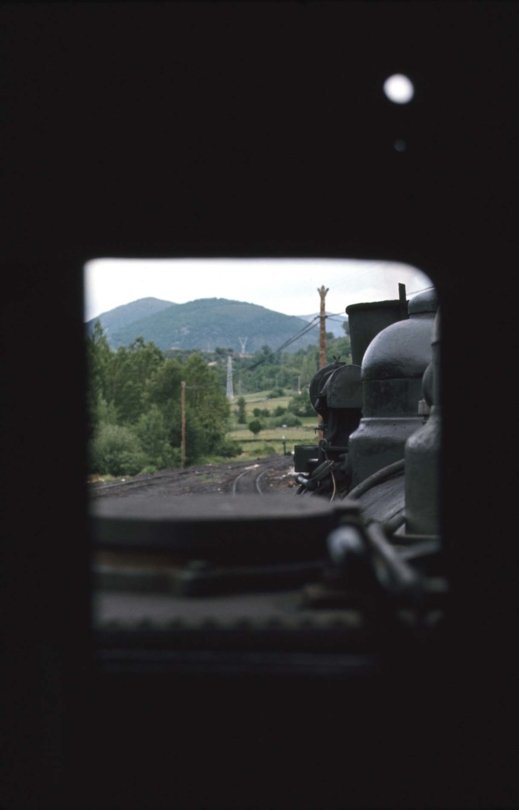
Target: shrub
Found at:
228, 449
152, 433
241, 411
255, 426
116, 450
289, 420
301, 405
265, 450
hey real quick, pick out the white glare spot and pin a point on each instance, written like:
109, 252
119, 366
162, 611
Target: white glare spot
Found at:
399, 89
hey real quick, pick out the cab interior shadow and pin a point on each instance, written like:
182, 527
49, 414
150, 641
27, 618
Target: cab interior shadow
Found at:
350, 645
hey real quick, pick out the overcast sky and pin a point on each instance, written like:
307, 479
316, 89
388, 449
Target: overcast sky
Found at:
284, 285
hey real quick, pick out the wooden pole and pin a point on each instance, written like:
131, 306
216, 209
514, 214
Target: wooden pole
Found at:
183, 424
322, 327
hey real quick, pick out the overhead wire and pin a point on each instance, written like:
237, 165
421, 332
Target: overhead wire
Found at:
295, 337
311, 325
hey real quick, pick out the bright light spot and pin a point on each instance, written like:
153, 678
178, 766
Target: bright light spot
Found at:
399, 89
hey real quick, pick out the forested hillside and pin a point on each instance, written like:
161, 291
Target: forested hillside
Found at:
121, 317
207, 324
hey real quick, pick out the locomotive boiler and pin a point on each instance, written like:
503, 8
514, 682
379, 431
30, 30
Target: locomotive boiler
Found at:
371, 408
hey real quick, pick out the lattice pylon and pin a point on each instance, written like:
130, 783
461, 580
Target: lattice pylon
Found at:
230, 389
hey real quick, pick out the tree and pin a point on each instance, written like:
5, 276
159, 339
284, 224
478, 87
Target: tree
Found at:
207, 408
340, 349
301, 405
134, 407
255, 426
152, 432
98, 365
132, 369
207, 405
242, 415
116, 450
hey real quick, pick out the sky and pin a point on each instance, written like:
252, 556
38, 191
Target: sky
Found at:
283, 285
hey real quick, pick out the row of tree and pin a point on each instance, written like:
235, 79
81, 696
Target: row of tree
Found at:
135, 408
135, 399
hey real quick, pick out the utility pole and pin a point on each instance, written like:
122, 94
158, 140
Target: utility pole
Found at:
230, 388
322, 327
182, 424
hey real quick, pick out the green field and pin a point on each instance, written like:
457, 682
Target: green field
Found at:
270, 439
260, 399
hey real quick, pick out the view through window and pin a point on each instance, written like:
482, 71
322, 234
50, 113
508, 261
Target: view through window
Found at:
301, 381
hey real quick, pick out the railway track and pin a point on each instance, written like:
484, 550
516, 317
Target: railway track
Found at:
261, 476
250, 480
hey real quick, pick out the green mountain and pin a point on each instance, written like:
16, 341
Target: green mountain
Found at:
121, 317
209, 323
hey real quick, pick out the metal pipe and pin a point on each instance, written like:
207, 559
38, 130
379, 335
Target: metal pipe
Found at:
391, 570
377, 477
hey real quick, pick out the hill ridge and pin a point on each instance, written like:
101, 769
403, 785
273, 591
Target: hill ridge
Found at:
204, 324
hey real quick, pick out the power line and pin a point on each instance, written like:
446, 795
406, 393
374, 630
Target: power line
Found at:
295, 337
312, 324
298, 335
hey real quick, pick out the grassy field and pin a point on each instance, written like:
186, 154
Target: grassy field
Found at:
271, 439
260, 399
